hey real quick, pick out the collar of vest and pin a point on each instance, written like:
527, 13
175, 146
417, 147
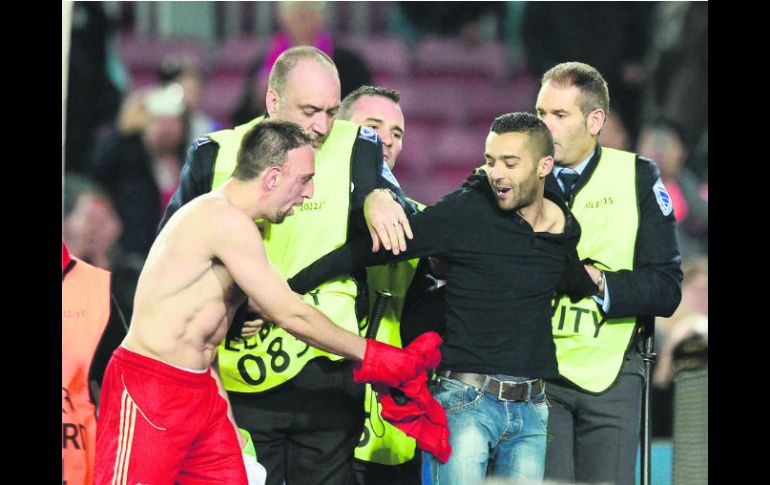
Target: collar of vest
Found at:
585, 175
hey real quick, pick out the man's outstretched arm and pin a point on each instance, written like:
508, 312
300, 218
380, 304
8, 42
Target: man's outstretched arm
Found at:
236, 241
432, 229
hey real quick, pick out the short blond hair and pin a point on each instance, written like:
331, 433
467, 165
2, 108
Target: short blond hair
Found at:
594, 92
290, 58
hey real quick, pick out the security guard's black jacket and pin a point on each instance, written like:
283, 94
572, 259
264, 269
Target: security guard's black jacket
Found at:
501, 279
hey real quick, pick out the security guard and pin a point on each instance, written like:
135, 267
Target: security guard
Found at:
92, 327
385, 455
271, 377
630, 251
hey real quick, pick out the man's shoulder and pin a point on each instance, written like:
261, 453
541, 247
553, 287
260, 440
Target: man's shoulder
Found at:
344, 128
210, 214
203, 152
468, 196
646, 168
202, 141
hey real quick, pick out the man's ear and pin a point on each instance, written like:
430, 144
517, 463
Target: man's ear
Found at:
272, 102
596, 119
272, 178
544, 166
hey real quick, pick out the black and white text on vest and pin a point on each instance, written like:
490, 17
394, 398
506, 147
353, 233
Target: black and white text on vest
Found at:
73, 435
573, 316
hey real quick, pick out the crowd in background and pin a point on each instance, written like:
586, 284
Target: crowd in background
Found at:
126, 140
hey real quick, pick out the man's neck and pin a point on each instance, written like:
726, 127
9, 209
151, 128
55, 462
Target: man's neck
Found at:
543, 215
533, 213
572, 164
235, 192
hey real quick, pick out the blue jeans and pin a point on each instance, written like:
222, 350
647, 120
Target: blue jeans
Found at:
489, 437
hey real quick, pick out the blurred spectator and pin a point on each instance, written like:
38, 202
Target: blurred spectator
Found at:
467, 20
184, 71
614, 134
661, 140
92, 328
690, 321
91, 226
677, 67
699, 162
132, 116
611, 36
301, 23
140, 169
91, 229
92, 97
690, 318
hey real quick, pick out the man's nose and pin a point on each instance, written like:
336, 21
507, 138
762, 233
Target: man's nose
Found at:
387, 138
308, 192
322, 123
494, 172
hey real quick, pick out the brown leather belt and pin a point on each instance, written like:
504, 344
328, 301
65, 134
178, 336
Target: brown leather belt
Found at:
503, 390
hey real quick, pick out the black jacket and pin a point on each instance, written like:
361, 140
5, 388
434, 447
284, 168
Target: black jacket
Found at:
501, 279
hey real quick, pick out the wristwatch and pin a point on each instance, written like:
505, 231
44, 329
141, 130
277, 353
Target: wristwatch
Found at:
390, 192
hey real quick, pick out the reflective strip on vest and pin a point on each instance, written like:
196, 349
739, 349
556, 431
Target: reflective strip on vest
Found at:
85, 312
590, 350
319, 226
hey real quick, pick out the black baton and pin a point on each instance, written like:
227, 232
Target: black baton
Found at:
371, 332
378, 310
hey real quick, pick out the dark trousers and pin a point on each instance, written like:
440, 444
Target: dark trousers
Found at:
306, 430
370, 473
594, 439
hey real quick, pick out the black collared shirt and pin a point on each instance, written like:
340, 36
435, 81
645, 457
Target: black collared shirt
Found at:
502, 275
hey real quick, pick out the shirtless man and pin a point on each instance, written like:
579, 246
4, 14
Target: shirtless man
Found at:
164, 416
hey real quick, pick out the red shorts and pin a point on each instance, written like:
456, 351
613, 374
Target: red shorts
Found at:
162, 425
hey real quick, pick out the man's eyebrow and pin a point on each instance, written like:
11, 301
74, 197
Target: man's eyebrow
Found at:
381, 121
504, 157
